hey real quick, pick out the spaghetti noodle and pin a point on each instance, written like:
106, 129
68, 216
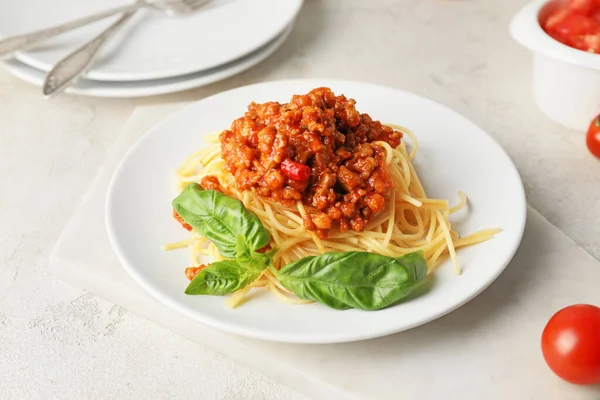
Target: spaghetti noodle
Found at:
409, 222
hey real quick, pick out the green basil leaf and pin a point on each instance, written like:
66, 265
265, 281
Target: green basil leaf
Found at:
354, 279
252, 259
221, 219
222, 277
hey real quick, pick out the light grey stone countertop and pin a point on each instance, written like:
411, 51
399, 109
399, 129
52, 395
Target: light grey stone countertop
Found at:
59, 342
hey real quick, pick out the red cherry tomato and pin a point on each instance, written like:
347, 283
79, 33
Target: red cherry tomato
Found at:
294, 170
571, 344
593, 137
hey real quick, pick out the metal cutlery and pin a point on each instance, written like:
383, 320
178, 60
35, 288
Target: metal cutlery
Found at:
21, 42
70, 67
75, 64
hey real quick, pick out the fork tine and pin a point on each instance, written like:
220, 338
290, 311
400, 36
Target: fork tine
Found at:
175, 7
194, 4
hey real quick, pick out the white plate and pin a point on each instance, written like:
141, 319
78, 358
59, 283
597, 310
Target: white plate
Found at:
151, 45
153, 87
454, 154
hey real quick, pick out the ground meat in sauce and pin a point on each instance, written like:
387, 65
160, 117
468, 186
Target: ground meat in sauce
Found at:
210, 182
348, 176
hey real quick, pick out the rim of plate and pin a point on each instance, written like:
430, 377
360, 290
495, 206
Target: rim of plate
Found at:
158, 86
178, 69
236, 328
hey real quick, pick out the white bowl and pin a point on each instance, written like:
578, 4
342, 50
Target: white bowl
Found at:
566, 81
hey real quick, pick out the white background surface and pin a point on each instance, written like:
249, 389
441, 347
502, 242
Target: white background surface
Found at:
56, 341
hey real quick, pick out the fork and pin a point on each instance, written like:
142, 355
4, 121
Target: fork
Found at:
75, 64
21, 42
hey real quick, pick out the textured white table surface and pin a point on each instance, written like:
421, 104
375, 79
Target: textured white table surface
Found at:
59, 342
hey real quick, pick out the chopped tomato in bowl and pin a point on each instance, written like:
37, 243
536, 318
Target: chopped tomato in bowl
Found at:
564, 37
576, 23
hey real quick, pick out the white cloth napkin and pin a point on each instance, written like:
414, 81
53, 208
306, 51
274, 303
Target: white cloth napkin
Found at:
489, 348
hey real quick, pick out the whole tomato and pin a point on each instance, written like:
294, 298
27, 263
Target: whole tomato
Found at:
593, 137
571, 344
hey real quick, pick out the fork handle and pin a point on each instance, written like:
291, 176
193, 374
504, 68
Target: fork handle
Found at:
15, 43
72, 66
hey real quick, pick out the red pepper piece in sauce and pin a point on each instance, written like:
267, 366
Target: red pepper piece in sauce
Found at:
295, 171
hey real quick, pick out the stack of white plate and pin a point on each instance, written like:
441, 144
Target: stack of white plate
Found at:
153, 54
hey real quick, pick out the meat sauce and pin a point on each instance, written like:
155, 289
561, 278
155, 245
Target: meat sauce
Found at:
317, 149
